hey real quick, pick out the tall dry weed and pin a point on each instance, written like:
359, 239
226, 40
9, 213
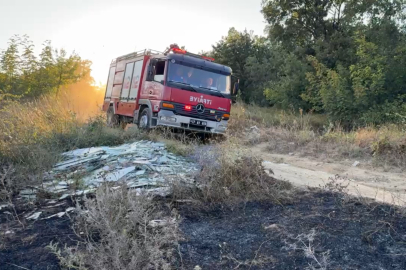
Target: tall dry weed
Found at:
310, 135
244, 116
229, 175
121, 230
33, 134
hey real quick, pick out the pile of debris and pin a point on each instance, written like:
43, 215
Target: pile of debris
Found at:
142, 164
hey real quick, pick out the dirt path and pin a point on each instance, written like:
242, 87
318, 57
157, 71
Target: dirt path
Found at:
383, 186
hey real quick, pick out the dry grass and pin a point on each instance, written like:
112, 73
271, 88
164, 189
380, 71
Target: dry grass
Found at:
177, 143
121, 230
309, 144
311, 135
230, 175
177, 147
305, 243
33, 134
245, 116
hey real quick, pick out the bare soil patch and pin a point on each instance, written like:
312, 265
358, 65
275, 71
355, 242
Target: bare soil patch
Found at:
363, 180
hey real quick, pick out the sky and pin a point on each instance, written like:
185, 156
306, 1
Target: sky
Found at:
100, 30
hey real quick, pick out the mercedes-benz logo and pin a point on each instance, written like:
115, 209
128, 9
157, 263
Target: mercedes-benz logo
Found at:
200, 108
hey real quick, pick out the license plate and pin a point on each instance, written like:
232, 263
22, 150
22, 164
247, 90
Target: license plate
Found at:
198, 122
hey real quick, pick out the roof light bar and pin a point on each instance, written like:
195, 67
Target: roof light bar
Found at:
208, 58
175, 49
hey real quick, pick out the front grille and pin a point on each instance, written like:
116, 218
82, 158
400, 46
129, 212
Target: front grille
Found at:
207, 115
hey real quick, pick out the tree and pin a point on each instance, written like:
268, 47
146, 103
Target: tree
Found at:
284, 90
368, 75
10, 67
29, 65
239, 50
330, 91
65, 69
22, 74
356, 50
302, 22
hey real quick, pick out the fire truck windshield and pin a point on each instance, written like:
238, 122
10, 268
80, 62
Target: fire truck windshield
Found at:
199, 78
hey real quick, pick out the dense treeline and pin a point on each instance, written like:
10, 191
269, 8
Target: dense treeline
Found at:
25, 75
344, 58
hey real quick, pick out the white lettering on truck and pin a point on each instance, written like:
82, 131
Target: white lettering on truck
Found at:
201, 99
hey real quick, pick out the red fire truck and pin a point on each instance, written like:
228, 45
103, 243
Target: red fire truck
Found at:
174, 88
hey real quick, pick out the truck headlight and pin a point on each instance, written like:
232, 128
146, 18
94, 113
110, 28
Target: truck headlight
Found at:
168, 118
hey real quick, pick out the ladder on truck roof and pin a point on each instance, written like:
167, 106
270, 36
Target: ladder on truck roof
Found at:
135, 54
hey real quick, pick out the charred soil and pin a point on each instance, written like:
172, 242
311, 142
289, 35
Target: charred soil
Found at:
347, 233
26, 247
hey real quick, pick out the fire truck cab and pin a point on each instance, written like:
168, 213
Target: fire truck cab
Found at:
173, 88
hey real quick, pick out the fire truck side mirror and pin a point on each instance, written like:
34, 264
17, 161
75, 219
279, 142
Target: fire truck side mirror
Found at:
235, 88
235, 82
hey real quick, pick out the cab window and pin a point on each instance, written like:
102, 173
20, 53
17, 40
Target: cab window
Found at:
159, 71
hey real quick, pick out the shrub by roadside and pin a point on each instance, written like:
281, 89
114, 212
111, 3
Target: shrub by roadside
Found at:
230, 175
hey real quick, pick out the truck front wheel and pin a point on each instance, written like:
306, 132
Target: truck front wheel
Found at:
145, 119
112, 119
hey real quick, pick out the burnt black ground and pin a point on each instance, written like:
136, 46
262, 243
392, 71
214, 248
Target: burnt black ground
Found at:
358, 235
26, 247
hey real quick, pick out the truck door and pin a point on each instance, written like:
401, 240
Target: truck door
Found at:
154, 82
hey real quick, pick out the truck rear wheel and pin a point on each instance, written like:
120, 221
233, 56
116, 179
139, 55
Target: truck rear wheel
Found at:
145, 120
112, 119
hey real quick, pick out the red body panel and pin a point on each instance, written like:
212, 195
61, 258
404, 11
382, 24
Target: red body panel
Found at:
152, 90
125, 108
167, 93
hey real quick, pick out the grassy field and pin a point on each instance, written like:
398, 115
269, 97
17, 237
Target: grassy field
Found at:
232, 194
312, 135
33, 134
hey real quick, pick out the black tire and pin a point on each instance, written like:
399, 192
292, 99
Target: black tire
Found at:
144, 122
112, 119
